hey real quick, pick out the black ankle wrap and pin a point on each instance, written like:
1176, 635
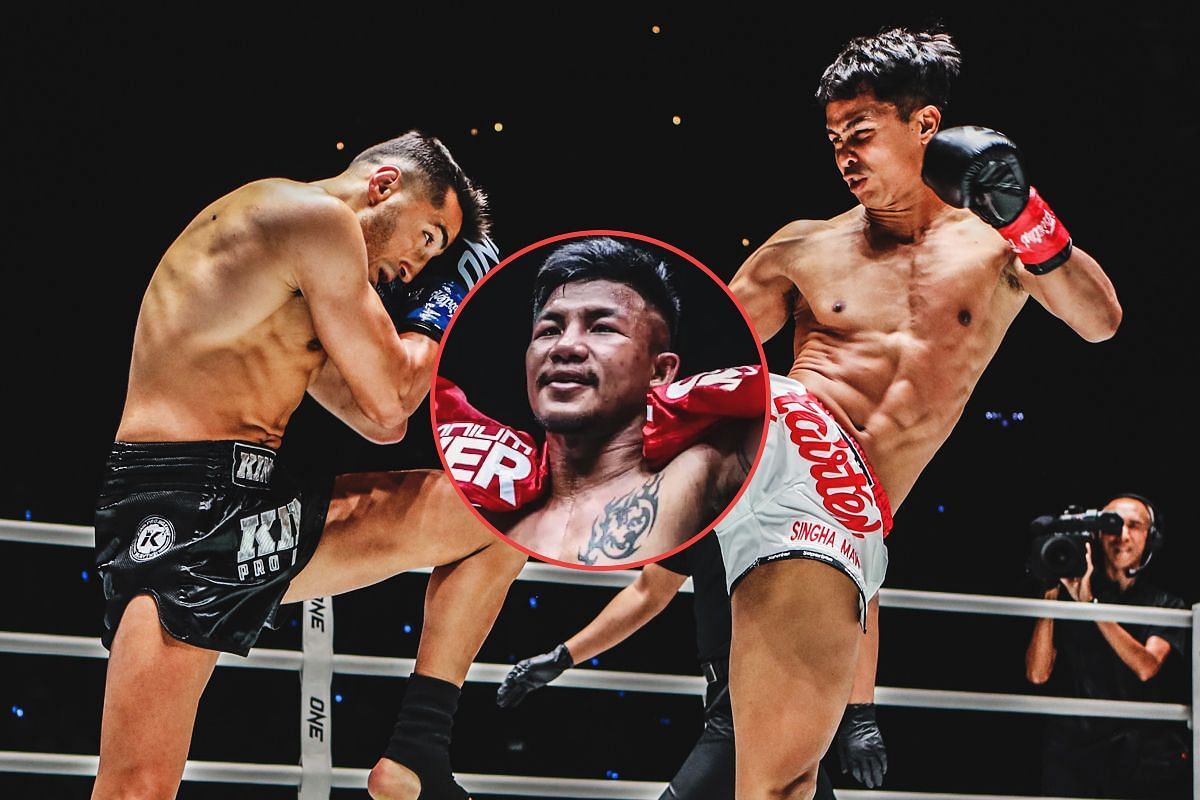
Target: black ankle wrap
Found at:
421, 740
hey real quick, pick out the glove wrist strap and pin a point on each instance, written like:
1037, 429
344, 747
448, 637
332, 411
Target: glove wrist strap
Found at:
562, 657
1037, 236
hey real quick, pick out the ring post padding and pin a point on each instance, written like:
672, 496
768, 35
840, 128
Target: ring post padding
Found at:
316, 710
1195, 658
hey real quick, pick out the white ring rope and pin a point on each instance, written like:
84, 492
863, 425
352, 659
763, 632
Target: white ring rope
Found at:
12, 530
614, 680
284, 775
346, 778
82, 536
342, 777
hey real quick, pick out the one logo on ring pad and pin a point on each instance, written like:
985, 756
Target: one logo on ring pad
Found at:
154, 536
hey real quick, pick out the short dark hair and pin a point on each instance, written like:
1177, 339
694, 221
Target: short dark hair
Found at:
603, 258
441, 172
904, 67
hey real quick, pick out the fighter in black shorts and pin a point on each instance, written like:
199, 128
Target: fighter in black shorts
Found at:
201, 531
707, 772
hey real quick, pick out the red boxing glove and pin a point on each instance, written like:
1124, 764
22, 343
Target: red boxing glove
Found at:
1040, 240
679, 414
980, 169
497, 467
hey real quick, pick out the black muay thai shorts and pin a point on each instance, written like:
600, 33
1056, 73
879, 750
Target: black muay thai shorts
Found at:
213, 531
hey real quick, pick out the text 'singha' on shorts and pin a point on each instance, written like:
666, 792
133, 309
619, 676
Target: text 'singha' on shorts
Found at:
812, 496
213, 531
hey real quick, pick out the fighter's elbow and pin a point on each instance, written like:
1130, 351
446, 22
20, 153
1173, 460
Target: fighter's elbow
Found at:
1147, 672
392, 435
1102, 327
387, 416
1097, 336
1106, 327
1037, 676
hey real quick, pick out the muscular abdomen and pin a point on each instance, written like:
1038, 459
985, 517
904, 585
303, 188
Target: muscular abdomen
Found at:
899, 392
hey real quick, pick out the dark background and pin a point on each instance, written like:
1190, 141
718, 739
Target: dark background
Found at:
122, 124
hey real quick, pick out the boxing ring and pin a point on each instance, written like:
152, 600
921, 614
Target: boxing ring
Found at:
316, 662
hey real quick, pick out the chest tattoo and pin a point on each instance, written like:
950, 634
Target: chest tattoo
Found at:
619, 529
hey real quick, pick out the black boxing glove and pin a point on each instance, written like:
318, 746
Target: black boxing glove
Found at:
428, 303
860, 745
980, 169
532, 673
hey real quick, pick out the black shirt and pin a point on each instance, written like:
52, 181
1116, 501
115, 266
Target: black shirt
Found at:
1094, 670
711, 600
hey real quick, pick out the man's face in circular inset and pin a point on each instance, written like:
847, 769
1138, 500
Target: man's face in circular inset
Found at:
596, 349
1124, 550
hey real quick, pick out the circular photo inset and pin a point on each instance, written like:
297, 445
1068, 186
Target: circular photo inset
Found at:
600, 400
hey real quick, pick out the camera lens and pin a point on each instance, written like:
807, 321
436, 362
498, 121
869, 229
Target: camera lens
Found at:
1058, 552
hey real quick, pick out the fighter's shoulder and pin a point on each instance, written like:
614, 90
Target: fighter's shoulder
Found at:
791, 243
970, 235
969, 231
288, 210
800, 232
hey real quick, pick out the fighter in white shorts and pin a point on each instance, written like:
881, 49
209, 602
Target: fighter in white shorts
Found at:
899, 304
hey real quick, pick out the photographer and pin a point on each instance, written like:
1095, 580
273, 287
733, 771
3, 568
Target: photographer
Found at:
1100, 756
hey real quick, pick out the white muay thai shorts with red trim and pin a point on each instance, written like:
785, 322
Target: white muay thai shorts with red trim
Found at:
812, 496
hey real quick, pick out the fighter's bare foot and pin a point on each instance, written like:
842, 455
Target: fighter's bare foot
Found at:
391, 781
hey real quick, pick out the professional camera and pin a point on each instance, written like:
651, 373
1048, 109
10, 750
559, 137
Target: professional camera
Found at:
1059, 543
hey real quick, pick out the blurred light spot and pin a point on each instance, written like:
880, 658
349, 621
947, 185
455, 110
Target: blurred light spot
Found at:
941, 509
533, 600
595, 662
499, 126
18, 712
295, 623
340, 145
745, 242
664, 721
1018, 416
676, 119
84, 575
408, 628
28, 514
620, 693
1003, 423
337, 698
474, 131
611, 774
655, 29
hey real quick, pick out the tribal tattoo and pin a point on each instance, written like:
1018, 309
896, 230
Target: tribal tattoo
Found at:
618, 531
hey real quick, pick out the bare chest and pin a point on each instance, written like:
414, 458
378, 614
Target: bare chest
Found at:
619, 524
947, 287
